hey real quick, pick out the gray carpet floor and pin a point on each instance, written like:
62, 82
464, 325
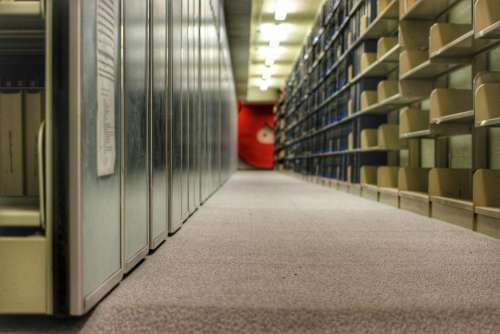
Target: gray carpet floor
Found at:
270, 253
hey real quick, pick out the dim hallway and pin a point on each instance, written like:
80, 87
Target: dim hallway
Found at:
272, 253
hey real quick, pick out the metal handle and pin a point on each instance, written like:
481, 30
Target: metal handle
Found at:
41, 173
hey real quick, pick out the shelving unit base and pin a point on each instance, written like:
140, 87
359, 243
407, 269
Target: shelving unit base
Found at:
389, 197
343, 186
463, 217
415, 202
370, 192
488, 225
355, 189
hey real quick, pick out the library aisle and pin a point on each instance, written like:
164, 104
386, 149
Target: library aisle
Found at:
272, 253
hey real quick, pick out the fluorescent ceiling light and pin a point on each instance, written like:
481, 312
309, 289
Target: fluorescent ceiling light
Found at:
274, 43
271, 31
280, 10
264, 85
270, 54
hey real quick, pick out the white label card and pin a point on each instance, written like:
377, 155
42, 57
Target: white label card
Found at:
107, 25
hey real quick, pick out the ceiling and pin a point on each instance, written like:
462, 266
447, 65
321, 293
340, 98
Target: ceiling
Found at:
238, 23
251, 27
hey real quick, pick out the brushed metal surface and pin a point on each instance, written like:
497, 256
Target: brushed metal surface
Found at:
95, 230
158, 124
185, 68
176, 124
193, 107
135, 113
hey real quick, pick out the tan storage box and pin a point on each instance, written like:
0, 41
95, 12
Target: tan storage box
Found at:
442, 34
384, 45
408, 60
414, 35
445, 102
367, 60
368, 98
415, 89
412, 120
388, 137
414, 179
487, 100
369, 138
387, 176
485, 193
486, 14
387, 89
368, 175
405, 6
382, 5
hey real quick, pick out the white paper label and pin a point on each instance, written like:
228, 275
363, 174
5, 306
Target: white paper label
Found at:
107, 25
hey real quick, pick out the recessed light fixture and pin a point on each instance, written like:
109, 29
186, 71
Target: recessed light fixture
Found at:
280, 10
264, 85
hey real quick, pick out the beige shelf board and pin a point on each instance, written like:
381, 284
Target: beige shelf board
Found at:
492, 212
391, 11
385, 23
440, 130
19, 216
388, 104
344, 152
21, 15
415, 195
386, 190
461, 117
491, 32
373, 149
392, 55
454, 202
369, 186
427, 9
492, 122
463, 48
417, 134
20, 8
383, 66
431, 69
